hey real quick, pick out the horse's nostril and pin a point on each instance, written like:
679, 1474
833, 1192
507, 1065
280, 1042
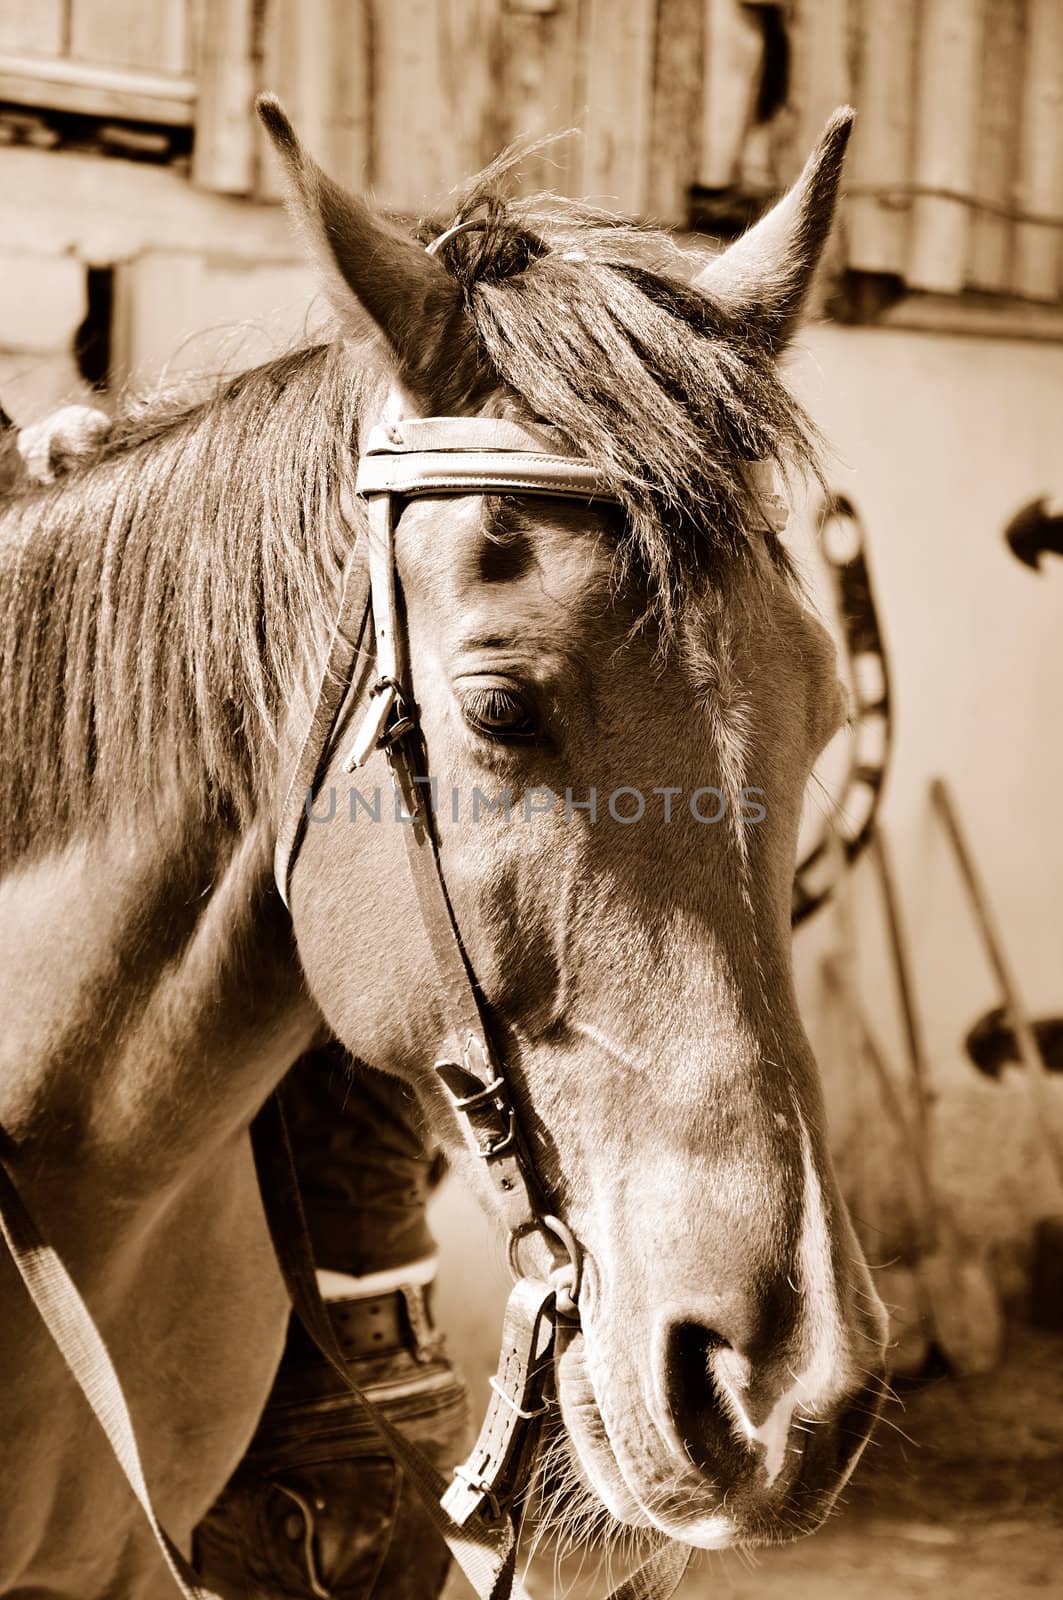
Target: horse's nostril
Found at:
692, 1357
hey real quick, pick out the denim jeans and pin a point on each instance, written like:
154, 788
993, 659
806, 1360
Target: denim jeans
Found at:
317, 1507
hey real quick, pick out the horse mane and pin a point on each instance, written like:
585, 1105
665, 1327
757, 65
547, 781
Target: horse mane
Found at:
155, 604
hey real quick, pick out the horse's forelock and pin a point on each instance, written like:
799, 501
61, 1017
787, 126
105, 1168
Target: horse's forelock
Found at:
593, 326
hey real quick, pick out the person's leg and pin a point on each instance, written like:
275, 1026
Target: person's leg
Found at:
317, 1507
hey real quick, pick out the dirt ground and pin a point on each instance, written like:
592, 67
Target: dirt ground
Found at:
960, 1494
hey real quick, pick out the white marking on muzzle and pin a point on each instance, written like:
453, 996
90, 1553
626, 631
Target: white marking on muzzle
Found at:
821, 1334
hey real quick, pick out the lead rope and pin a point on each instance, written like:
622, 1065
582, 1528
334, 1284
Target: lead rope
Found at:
81, 1345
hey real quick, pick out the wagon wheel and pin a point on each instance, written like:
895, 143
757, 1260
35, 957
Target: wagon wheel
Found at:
841, 538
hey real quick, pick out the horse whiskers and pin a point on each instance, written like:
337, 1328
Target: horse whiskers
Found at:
890, 1424
559, 1506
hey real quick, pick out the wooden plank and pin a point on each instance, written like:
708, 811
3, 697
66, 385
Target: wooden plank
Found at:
949, 57
435, 116
999, 119
315, 58
733, 47
349, 128
1040, 186
403, 118
542, 89
469, 33
94, 91
223, 156
880, 159
195, 20
820, 77
619, 87
149, 34
36, 27
675, 119
976, 317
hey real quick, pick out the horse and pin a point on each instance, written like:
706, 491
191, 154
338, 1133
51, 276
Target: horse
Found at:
629, 696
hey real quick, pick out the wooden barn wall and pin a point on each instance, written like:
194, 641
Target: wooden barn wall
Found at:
956, 177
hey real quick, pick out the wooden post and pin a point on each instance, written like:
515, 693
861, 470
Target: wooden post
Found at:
542, 50
1036, 1076
878, 221
36, 27
315, 58
996, 162
678, 72
619, 85
949, 56
130, 33
224, 152
999, 115
733, 51
913, 1030
435, 115
820, 76
1040, 187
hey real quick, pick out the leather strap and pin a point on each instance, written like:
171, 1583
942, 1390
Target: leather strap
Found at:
491, 1476
80, 1343
482, 472
338, 679
469, 1070
484, 1552
475, 455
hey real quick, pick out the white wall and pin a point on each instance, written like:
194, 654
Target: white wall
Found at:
939, 440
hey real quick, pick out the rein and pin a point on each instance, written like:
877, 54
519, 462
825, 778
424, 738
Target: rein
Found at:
435, 457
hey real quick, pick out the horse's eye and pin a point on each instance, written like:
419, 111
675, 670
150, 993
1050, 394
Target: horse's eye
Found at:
499, 714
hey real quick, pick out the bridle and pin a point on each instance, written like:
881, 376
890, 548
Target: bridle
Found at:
406, 460
403, 461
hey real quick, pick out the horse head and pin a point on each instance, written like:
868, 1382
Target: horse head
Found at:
621, 706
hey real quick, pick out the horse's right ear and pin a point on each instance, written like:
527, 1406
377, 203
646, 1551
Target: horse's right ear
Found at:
763, 279
379, 280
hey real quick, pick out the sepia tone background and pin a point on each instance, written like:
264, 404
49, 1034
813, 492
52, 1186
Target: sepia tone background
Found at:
141, 242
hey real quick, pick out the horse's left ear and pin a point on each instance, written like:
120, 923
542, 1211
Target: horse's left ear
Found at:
379, 280
764, 278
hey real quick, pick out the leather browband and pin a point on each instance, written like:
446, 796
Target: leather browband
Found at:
475, 455
494, 455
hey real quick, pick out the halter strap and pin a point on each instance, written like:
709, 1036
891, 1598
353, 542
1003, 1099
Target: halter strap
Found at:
425, 456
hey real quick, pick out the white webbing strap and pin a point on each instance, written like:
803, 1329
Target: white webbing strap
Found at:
80, 1343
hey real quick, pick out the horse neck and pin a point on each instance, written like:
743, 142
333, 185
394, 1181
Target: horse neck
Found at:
149, 983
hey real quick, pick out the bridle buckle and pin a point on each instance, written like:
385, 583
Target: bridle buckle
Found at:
377, 731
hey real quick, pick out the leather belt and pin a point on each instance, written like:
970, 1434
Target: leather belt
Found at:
382, 1324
